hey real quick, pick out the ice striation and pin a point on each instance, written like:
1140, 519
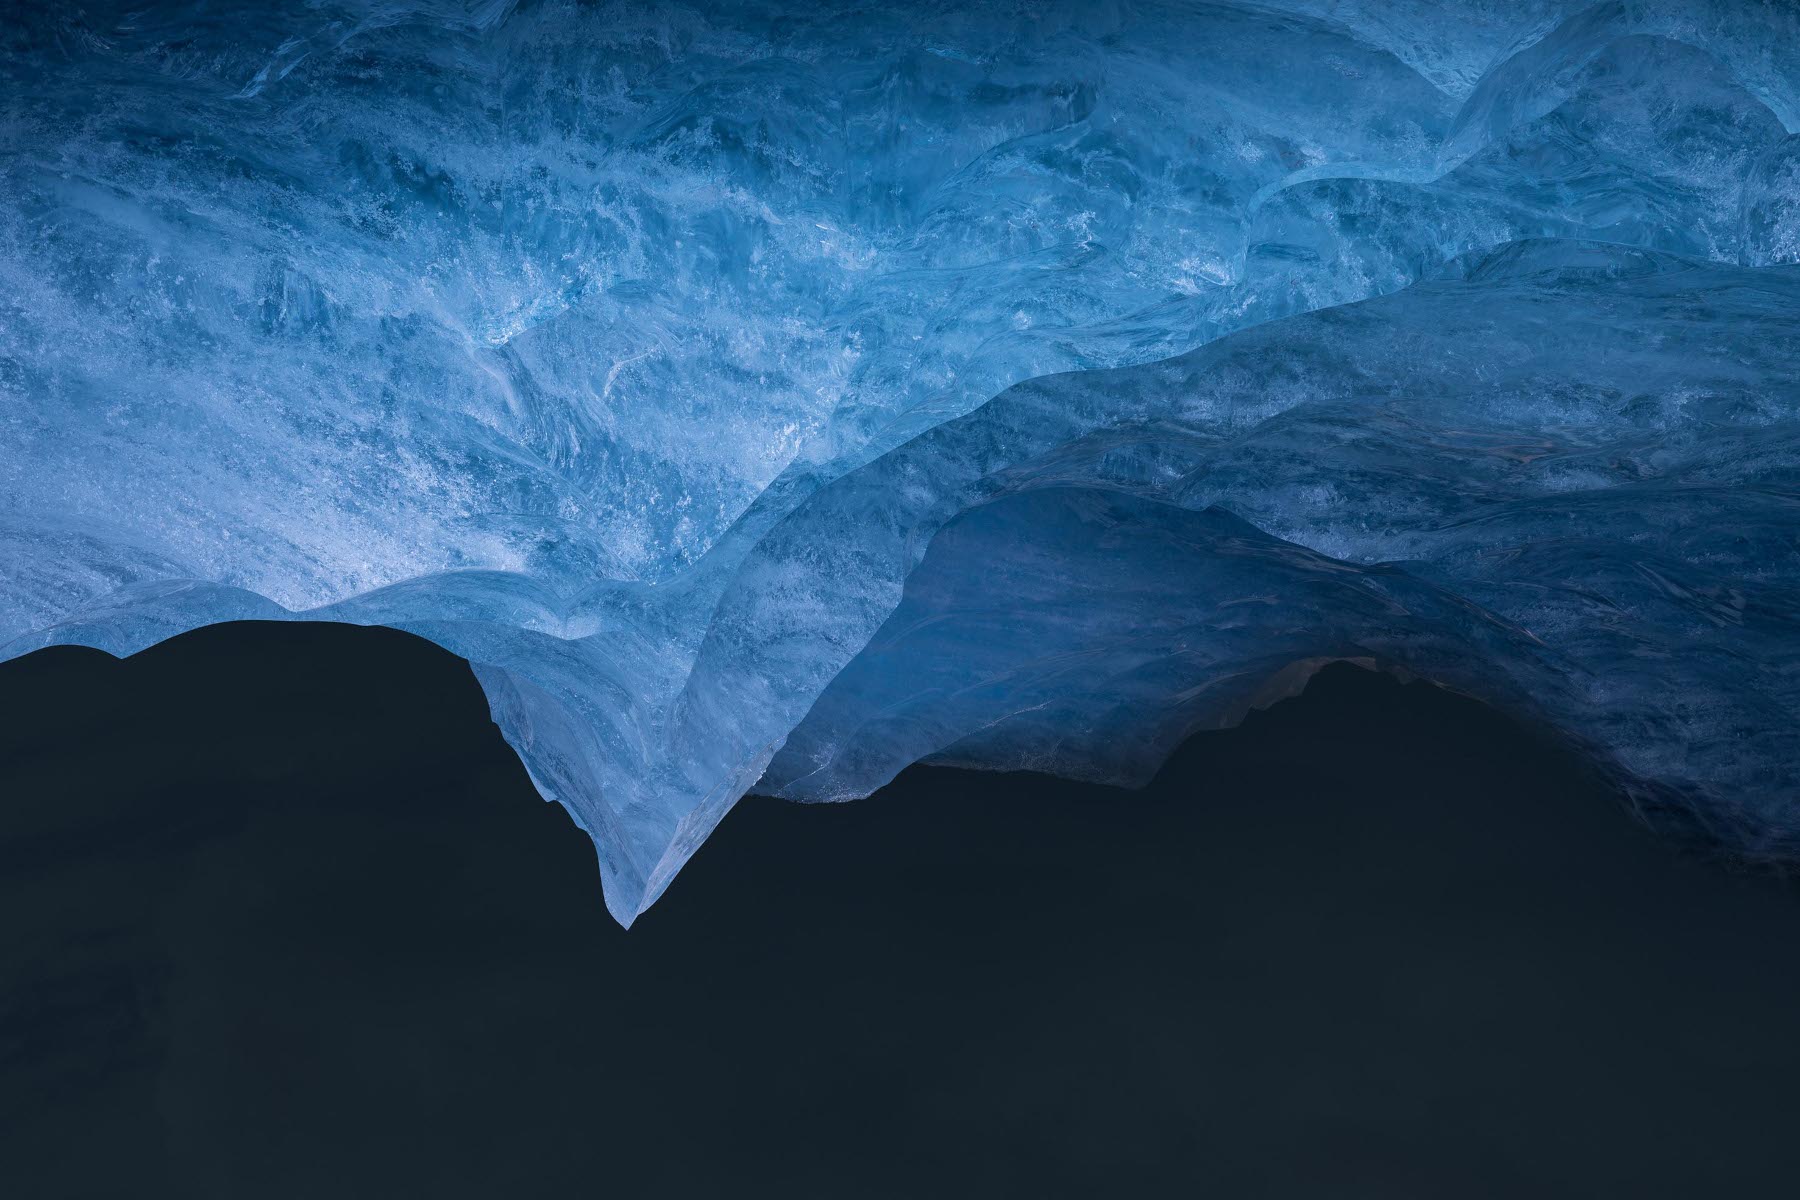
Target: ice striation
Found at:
775, 395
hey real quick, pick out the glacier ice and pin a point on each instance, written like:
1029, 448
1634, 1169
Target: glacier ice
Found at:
789, 393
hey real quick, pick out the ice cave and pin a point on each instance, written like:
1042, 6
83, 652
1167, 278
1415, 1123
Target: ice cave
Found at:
767, 396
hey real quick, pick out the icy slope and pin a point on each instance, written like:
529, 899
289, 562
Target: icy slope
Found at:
670, 363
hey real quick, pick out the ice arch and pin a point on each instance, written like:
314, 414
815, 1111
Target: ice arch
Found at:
700, 371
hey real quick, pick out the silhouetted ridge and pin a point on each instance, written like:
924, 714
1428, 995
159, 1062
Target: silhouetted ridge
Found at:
286, 919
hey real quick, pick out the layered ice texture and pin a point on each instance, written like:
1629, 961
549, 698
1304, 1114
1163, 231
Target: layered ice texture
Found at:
774, 395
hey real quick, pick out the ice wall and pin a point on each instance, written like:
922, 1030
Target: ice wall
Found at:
816, 388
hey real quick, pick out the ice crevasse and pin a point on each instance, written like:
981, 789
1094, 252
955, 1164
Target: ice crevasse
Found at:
774, 395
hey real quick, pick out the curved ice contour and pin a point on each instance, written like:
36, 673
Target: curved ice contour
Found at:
791, 393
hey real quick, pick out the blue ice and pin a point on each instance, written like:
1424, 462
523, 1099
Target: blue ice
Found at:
784, 393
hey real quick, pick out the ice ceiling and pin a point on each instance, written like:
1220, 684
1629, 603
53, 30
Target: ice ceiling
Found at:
789, 393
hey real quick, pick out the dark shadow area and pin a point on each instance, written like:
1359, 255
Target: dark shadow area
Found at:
284, 918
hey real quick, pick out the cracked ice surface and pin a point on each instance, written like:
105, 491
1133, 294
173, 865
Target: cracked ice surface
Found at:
813, 389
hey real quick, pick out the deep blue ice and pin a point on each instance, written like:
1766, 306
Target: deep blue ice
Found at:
793, 392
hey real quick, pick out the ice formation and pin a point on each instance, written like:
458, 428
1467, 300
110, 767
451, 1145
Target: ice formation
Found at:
790, 392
